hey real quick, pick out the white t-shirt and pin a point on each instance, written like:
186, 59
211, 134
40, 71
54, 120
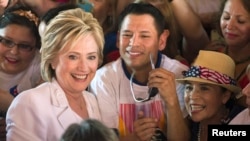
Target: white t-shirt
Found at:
117, 106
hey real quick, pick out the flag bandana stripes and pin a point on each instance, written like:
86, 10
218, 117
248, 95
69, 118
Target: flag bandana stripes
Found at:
208, 74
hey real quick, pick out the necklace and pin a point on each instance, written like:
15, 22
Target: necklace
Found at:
203, 130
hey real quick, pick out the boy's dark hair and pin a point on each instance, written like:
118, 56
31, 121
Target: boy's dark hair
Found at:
89, 130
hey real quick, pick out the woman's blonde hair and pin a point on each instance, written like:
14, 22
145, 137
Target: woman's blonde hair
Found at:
66, 29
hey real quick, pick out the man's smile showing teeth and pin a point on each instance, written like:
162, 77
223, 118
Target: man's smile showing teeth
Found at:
134, 53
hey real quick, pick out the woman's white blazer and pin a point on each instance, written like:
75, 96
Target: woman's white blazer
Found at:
43, 113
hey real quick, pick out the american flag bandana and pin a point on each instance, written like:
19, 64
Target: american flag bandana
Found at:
208, 74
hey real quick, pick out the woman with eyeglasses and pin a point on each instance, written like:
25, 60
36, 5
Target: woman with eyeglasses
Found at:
19, 57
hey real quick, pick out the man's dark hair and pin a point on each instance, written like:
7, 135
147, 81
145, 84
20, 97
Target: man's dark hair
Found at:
141, 9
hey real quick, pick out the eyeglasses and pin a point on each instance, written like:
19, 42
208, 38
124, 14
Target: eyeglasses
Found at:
10, 44
151, 91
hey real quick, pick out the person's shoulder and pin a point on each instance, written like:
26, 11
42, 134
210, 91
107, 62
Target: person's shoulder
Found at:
241, 118
33, 92
244, 112
170, 63
109, 73
30, 97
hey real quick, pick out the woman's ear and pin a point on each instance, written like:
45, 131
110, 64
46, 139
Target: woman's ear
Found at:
163, 39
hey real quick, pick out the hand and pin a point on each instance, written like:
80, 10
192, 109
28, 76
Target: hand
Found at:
165, 82
144, 127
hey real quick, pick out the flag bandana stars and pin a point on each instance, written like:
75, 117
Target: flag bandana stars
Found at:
208, 74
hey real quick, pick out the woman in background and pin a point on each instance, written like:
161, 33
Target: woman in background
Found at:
19, 57
234, 26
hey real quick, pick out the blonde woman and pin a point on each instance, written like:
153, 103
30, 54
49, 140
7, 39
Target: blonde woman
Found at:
71, 52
